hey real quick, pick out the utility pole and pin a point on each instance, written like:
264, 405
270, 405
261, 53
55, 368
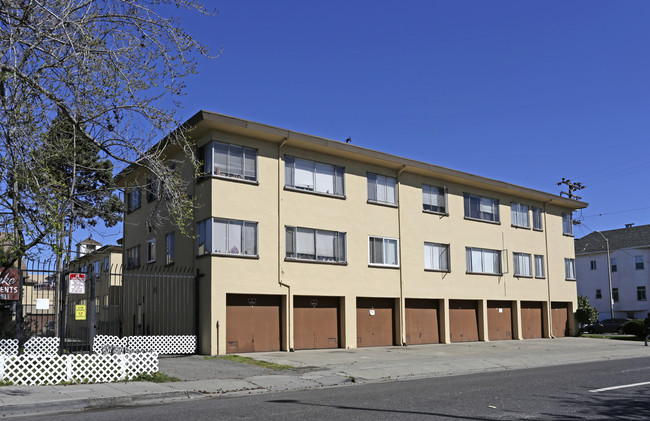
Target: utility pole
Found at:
572, 187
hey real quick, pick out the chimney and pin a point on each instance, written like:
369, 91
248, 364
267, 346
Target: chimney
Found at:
629, 225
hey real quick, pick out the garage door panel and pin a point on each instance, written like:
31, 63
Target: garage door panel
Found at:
499, 320
316, 322
560, 316
375, 322
422, 325
531, 320
252, 323
463, 321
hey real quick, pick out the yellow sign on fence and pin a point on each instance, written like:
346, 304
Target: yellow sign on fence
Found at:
80, 312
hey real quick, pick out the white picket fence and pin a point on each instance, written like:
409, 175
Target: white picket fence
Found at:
162, 344
26, 370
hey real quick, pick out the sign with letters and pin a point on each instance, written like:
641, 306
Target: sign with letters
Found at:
80, 312
10, 284
77, 283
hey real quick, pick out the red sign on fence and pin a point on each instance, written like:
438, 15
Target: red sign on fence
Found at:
9, 284
77, 283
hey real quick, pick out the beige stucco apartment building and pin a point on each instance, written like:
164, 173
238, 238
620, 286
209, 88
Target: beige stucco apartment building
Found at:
306, 242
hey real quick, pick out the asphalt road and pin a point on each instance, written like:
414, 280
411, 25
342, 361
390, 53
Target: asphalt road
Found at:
559, 392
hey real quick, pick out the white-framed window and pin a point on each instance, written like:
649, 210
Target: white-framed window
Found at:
231, 161
599, 293
436, 257
540, 270
615, 294
519, 215
382, 189
483, 260
570, 269
227, 237
306, 175
567, 224
641, 294
613, 263
537, 219
133, 199
481, 208
522, 265
383, 251
169, 248
315, 245
133, 257
592, 264
638, 263
434, 199
151, 250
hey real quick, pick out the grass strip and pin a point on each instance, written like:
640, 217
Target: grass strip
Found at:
252, 361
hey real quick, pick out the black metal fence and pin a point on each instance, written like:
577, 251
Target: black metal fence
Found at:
113, 302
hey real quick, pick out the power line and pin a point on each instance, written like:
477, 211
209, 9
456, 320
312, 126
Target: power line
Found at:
613, 213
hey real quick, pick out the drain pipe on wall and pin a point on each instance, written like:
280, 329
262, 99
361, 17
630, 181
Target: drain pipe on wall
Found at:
401, 264
282, 284
549, 318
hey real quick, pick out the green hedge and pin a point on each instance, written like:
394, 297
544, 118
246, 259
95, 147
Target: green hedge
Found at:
634, 327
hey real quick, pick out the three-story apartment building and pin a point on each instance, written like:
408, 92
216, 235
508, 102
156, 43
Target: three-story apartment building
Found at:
306, 242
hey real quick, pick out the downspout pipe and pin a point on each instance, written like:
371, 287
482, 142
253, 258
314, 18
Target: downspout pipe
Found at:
401, 263
549, 318
282, 284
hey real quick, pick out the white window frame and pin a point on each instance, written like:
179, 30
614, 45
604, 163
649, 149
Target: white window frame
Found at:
476, 208
538, 222
519, 215
641, 293
437, 254
384, 241
151, 250
230, 161
567, 224
472, 252
170, 251
318, 171
379, 187
615, 295
540, 268
431, 198
208, 243
338, 246
570, 269
614, 267
599, 293
522, 265
639, 264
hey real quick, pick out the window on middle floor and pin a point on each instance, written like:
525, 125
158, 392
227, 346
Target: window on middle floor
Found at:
570, 269
481, 208
133, 199
483, 260
312, 176
613, 263
382, 189
615, 294
519, 215
640, 293
383, 251
436, 257
169, 248
151, 250
133, 257
522, 265
313, 244
599, 294
592, 264
539, 266
227, 237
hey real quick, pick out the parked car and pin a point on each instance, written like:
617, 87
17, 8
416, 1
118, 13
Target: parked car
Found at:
48, 329
605, 326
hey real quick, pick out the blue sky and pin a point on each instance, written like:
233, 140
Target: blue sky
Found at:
523, 92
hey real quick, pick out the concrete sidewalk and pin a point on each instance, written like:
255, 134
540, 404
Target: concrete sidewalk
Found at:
202, 377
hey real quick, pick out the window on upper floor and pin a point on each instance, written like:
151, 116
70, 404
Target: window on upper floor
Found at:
302, 174
230, 161
537, 219
97, 266
152, 189
640, 294
107, 264
613, 263
540, 270
315, 245
481, 208
567, 224
169, 248
615, 294
436, 257
133, 199
592, 264
570, 269
383, 251
522, 265
638, 263
227, 237
133, 257
434, 199
599, 294
151, 250
382, 189
519, 215
485, 261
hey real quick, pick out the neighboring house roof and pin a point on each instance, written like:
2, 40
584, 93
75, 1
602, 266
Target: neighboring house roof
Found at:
618, 239
89, 240
93, 254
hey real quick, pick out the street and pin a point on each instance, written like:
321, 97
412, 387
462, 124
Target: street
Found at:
559, 392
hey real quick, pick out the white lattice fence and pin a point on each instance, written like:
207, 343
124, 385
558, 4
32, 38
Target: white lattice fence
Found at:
41, 346
80, 368
8, 346
107, 344
162, 344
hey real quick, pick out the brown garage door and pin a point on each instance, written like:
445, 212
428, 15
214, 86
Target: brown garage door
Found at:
499, 320
375, 323
463, 320
531, 319
422, 322
315, 322
560, 316
252, 323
